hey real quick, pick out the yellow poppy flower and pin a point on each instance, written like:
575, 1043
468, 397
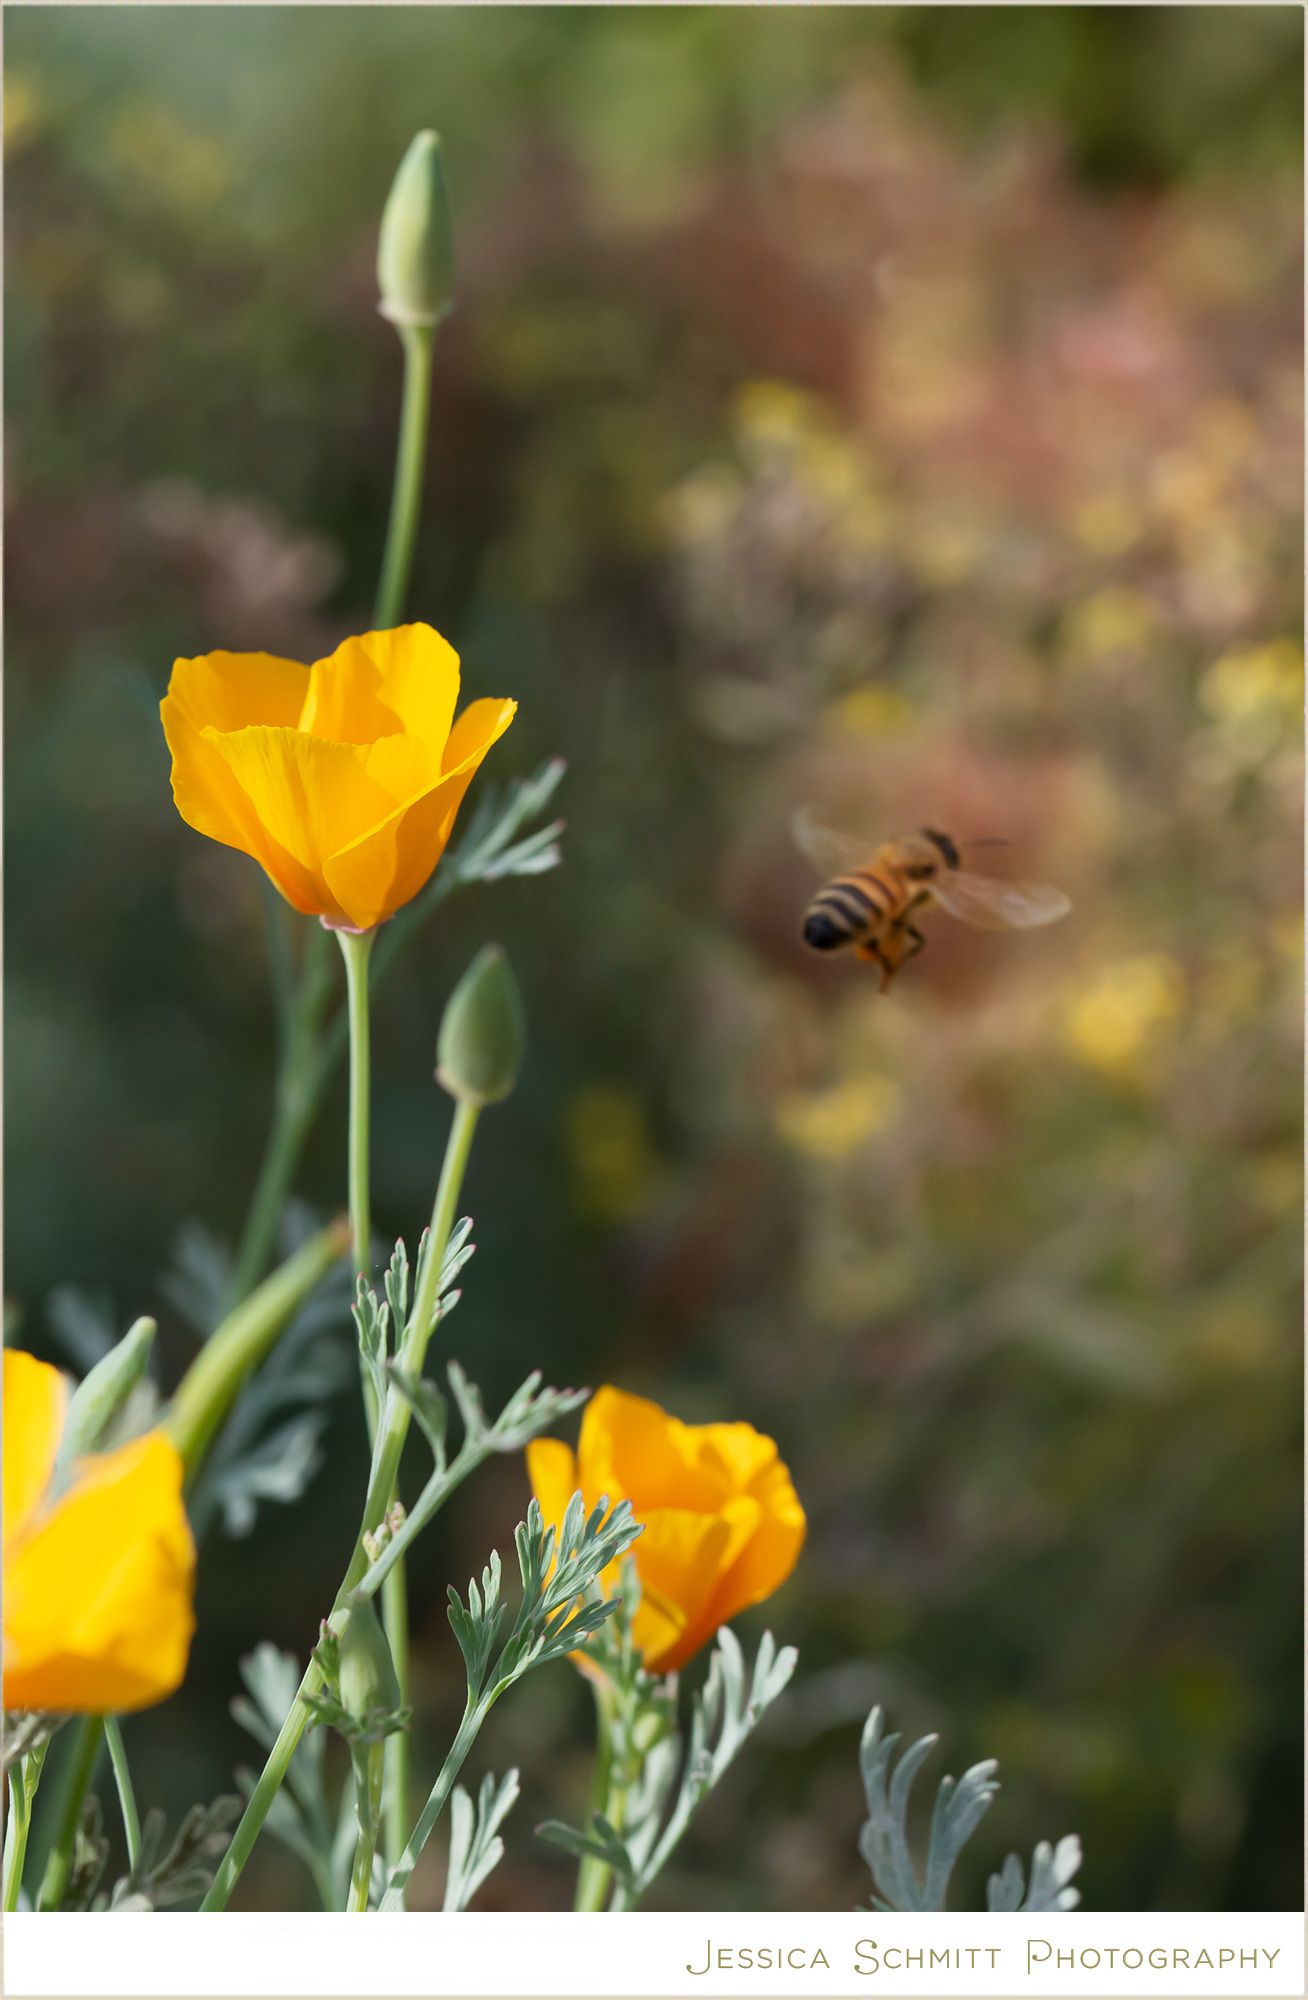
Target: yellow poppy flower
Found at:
723, 1525
98, 1583
341, 779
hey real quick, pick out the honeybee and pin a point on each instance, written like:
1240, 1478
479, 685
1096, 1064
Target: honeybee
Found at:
871, 902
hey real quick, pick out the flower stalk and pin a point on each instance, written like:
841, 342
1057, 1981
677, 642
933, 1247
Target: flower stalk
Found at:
368, 1767
58, 1867
415, 276
356, 950
395, 1785
126, 1792
419, 343
393, 1794
594, 1875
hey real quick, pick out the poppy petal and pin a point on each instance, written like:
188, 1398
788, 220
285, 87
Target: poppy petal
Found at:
305, 794
481, 724
723, 1525
97, 1610
402, 682
35, 1404
208, 698
552, 1470
629, 1443
679, 1557
771, 1552
383, 868
235, 691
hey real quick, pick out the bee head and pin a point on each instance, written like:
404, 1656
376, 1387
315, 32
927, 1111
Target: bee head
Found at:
944, 843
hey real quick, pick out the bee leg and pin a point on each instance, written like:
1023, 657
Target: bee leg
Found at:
899, 951
872, 952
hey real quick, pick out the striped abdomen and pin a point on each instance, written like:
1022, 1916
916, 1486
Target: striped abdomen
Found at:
850, 908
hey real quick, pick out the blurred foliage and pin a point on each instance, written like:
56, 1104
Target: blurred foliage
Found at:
890, 410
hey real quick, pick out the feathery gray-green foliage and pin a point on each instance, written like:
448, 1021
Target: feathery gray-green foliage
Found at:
475, 1845
558, 1610
663, 1781
959, 1808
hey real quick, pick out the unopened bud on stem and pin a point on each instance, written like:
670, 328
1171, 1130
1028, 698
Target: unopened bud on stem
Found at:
483, 1032
368, 1685
102, 1394
415, 251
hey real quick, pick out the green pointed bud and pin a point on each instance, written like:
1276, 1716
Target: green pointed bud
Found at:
483, 1032
97, 1400
369, 1689
415, 251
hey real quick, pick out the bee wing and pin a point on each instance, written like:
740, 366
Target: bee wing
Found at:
991, 905
831, 852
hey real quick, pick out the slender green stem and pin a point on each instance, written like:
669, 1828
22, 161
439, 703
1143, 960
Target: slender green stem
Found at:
473, 1717
304, 1086
300, 1082
593, 1875
428, 1504
395, 1788
356, 950
394, 1422
86, 1748
410, 460
367, 1799
126, 1795
214, 1379
270, 1783
457, 1148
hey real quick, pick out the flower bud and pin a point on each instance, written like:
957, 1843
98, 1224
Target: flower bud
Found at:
415, 250
98, 1399
368, 1685
483, 1032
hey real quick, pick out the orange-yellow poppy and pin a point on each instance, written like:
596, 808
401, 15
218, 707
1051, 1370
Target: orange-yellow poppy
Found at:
723, 1525
341, 779
98, 1582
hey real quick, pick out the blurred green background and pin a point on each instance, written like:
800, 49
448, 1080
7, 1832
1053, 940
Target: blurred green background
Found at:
891, 410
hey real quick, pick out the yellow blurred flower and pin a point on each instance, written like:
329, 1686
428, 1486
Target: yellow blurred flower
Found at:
704, 507
180, 165
613, 1159
775, 415
1114, 620
723, 1526
1110, 1022
341, 779
1108, 523
98, 1580
828, 1124
23, 113
1186, 486
1251, 681
870, 710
